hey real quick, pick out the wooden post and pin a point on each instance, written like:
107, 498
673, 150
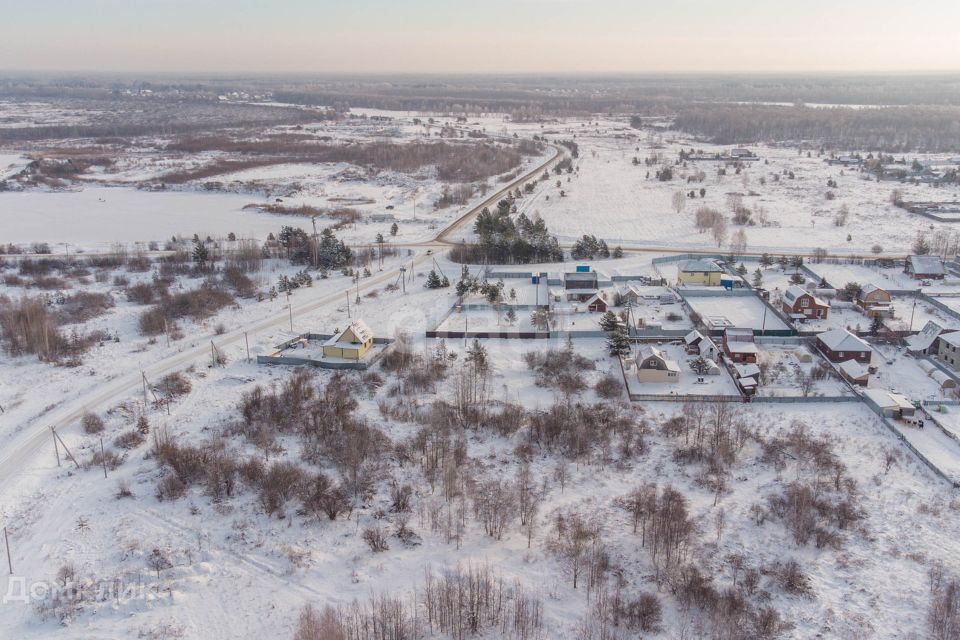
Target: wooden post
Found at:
6, 541
64, 445
56, 448
146, 402
103, 458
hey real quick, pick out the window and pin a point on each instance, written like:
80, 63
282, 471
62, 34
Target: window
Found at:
805, 302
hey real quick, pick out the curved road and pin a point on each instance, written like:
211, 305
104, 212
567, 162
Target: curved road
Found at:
36, 435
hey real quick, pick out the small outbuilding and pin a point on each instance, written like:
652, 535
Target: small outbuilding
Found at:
854, 372
596, 304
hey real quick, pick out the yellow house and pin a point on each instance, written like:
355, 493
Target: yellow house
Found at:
350, 344
705, 272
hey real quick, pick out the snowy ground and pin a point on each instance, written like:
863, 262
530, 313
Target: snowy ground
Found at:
740, 311
689, 382
784, 369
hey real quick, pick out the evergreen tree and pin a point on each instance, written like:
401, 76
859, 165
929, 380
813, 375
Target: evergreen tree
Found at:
433, 280
511, 316
393, 229
741, 270
618, 344
766, 260
200, 254
617, 252
757, 278
876, 325
609, 321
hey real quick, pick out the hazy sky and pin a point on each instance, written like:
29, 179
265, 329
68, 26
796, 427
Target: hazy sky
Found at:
490, 36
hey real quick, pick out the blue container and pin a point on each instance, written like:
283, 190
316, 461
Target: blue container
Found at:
535, 280
583, 268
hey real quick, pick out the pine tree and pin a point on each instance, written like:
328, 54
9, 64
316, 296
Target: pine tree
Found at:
200, 254
757, 278
433, 280
393, 229
619, 343
742, 270
609, 321
511, 316
766, 260
617, 252
143, 426
876, 325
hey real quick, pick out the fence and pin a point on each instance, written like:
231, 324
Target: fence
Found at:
903, 439
322, 364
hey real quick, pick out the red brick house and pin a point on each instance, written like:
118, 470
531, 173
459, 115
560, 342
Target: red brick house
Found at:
800, 304
739, 346
839, 345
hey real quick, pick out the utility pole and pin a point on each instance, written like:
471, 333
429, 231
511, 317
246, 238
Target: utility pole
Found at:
348, 302
290, 308
103, 459
247, 341
6, 541
915, 294
358, 289
143, 376
56, 447
316, 244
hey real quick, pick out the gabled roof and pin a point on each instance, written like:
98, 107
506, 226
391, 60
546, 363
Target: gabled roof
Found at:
931, 265
854, 369
795, 292
358, 328
693, 337
693, 266
593, 299
842, 340
747, 370
922, 341
870, 288
952, 338
649, 351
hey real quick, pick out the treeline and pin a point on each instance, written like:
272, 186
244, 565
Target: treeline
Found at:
455, 162
891, 129
503, 241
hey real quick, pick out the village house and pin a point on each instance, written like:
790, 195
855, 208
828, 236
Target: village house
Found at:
596, 304
581, 285
703, 272
739, 345
839, 345
654, 366
927, 341
800, 304
874, 301
350, 344
924, 268
948, 351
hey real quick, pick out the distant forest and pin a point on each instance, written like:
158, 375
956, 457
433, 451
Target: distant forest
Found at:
891, 113
890, 129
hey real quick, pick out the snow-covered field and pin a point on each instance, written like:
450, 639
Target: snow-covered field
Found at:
236, 565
